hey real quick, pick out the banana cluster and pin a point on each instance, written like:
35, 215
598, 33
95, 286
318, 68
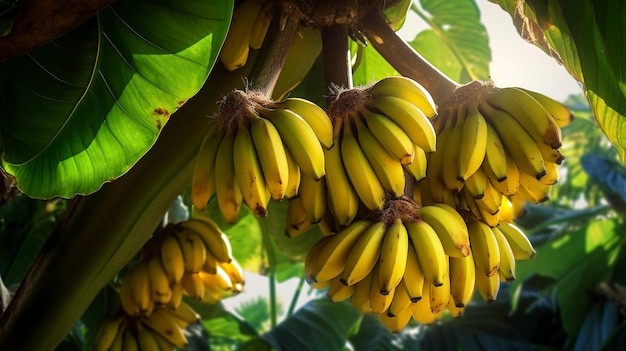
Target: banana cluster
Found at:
386, 133
505, 144
162, 330
260, 150
248, 28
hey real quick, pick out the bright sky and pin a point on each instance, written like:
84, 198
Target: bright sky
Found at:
514, 63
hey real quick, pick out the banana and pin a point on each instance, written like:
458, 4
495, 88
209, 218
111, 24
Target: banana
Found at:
488, 287
219, 284
360, 298
388, 170
248, 173
261, 24
107, 332
214, 239
532, 189
364, 254
203, 177
561, 113
159, 282
413, 275
430, 251
418, 167
495, 155
330, 261
293, 182
408, 90
193, 248
343, 201
506, 212
410, 118
177, 295
130, 342
300, 140
518, 143
118, 342
474, 143
360, 172
314, 116
172, 258
450, 155
337, 291
228, 191
462, 280
313, 195
439, 295
400, 301
507, 257
510, 184
390, 135
535, 119
236, 47
139, 281
491, 200
303, 53
422, 311
167, 328
379, 303
127, 299
164, 344
552, 174
396, 323
193, 285
550, 155
520, 245
146, 339
235, 272
455, 311
272, 157
393, 256
450, 228
298, 220
484, 248
210, 264
475, 184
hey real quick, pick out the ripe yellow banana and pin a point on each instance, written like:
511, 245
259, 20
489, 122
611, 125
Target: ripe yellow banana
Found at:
532, 189
561, 113
454, 310
193, 248
462, 280
130, 342
193, 285
413, 275
521, 246
410, 118
474, 143
484, 248
552, 174
379, 303
519, 144
167, 328
388, 170
300, 140
164, 344
390, 135
450, 155
314, 116
342, 198
393, 256
159, 282
408, 90
261, 24
400, 301
127, 299
491, 200
360, 172
430, 251
360, 298
337, 291
177, 295
228, 191
534, 118
550, 155
303, 53
474, 186
488, 287
507, 258
210, 264
313, 197
236, 47
235, 272
495, 155
364, 255
450, 228
510, 184
212, 236
219, 284
293, 182
418, 167
146, 339
248, 173
203, 178
118, 342
139, 281
298, 221
396, 323
172, 258
331, 261
272, 156
107, 332
439, 295
422, 312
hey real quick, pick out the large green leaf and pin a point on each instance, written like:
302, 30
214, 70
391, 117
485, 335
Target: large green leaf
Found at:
587, 37
457, 43
83, 109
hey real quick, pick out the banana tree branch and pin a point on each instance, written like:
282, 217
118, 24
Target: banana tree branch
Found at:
37, 22
336, 56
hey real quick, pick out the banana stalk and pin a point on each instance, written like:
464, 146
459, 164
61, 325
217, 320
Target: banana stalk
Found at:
101, 232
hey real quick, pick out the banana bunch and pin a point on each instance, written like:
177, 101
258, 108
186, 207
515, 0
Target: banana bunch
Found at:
248, 28
260, 150
386, 132
162, 330
503, 144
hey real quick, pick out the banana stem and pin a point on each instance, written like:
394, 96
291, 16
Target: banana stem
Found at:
336, 58
404, 58
296, 296
272, 55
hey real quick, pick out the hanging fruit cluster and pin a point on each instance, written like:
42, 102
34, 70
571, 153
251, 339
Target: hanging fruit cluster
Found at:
416, 193
191, 258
